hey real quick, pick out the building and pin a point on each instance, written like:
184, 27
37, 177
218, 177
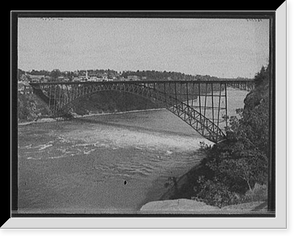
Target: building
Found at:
23, 78
36, 78
133, 78
82, 78
76, 79
121, 78
103, 77
24, 88
94, 79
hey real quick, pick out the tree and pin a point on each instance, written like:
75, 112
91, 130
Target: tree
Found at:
54, 74
20, 73
249, 150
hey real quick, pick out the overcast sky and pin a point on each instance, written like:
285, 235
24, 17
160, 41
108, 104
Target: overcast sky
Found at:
217, 47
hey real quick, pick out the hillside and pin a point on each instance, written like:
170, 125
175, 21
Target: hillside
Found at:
111, 101
236, 170
31, 107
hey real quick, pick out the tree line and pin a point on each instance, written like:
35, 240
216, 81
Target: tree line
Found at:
143, 74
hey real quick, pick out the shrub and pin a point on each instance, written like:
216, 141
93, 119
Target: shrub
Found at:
258, 193
214, 192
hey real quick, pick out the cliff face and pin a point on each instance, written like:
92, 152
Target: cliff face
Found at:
256, 113
260, 95
30, 107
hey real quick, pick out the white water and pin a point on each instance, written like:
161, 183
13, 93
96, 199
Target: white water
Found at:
104, 163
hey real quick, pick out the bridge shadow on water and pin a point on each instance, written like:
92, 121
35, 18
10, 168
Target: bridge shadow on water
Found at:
98, 119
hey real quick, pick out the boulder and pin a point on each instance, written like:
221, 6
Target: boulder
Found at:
178, 206
187, 206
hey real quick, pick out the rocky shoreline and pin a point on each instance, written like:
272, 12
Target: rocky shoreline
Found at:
168, 205
177, 185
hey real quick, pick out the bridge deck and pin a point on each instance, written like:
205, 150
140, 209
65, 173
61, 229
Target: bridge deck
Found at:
217, 81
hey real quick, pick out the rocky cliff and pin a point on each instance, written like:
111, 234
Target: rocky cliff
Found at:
30, 108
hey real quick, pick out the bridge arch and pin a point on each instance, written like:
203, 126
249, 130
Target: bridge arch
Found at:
63, 98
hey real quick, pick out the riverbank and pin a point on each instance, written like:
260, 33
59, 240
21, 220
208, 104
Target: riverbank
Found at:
91, 114
177, 184
43, 120
177, 201
234, 173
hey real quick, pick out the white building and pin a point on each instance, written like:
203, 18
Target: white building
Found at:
133, 78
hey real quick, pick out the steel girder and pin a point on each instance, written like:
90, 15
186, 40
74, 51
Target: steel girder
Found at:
58, 96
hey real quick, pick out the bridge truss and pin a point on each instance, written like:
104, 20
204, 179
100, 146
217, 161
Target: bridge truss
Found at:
201, 104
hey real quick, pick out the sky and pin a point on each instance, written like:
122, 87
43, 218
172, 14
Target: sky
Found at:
216, 47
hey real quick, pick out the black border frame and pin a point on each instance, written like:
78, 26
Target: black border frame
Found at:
269, 14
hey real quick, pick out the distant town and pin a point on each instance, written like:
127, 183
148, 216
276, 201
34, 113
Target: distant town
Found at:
99, 75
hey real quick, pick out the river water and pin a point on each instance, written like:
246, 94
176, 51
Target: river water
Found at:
111, 163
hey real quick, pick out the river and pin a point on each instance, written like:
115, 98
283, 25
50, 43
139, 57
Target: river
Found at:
111, 163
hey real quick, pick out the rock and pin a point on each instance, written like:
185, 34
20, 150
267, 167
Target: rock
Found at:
178, 206
187, 206
247, 207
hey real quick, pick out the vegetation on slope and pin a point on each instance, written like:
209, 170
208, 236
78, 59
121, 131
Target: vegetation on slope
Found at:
111, 101
30, 108
236, 170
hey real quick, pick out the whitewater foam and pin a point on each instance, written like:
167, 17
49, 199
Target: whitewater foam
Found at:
45, 146
123, 138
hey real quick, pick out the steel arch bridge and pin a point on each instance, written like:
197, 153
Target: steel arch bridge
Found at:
201, 104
